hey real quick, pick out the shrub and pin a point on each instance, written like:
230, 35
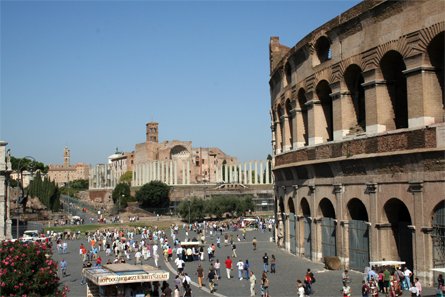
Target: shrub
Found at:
26, 269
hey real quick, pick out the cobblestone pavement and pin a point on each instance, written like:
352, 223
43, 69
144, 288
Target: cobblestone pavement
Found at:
282, 283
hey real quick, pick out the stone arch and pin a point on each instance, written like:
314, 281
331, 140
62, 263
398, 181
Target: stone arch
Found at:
302, 122
399, 221
354, 79
305, 209
435, 51
326, 208
357, 210
179, 152
438, 234
290, 119
291, 206
392, 66
322, 48
288, 73
323, 91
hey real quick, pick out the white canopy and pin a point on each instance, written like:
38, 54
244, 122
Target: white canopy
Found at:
439, 269
387, 263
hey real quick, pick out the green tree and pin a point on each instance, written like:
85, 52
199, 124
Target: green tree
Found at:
192, 210
127, 177
155, 194
121, 195
27, 164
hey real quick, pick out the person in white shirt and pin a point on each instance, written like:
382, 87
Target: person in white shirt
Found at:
407, 280
240, 265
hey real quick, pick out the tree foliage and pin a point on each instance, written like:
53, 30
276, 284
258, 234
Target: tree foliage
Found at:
47, 191
127, 177
155, 194
121, 195
217, 207
73, 187
27, 164
28, 270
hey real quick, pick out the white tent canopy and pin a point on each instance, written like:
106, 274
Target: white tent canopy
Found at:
387, 263
439, 269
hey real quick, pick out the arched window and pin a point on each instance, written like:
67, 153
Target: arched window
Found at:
392, 65
354, 78
323, 91
436, 55
323, 49
303, 121
288, 74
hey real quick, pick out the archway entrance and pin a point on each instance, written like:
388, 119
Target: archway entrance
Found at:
399, 218
438, 235
358, 235
307, 222
328, 228
292, 227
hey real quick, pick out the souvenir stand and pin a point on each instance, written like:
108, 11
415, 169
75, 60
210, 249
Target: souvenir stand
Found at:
122, 280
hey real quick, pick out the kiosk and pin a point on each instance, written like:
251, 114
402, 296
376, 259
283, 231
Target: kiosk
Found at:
122, 280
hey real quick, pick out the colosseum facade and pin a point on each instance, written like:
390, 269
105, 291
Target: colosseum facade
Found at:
358, 135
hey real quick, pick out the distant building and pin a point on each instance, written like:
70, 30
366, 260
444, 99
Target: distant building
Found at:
63, 173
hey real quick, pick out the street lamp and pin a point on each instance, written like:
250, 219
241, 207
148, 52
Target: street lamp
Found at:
189, 202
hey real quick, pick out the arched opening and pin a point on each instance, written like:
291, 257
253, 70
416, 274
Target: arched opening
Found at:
288, 74
358, 235
292, 226
435, 53
357, 210
290, 120
354, 79
399, 219
307, 223
328, 228
323, 91
303, 121
281, 216
392, 65
281, 128
438, 235
323, 49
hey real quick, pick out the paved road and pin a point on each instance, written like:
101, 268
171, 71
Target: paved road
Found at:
282, 284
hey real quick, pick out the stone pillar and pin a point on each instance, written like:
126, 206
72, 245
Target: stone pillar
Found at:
226, 174
240, 173
379, 117
256, 172
261, 173
175, 172
314, 239
420, 249
171, 173
245, 173
345, 236
3, 211
339, 209
267, 172
286, 134
343, 108
374, 253
316, 120
278, 137
424, 95
183, 172
250, 173
188, 173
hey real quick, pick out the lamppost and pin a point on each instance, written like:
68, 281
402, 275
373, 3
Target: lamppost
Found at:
189, 203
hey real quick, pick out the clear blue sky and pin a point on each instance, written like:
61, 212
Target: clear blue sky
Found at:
90, 74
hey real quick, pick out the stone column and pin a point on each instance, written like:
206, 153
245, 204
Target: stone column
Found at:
3, 214
299, 128
226, 174
183, 172
256, 172
286, 133
420, 254
267, 172
171, 172
250, 173
374, 253
175, 172
261, 172
245, 173
343, 107
188, 172
339, 209
424, 96
279, 137
314, 240
345, 236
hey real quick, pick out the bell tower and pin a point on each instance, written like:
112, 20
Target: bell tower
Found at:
66, 157
152, 132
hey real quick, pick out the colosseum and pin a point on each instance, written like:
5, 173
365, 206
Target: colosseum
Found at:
358, 136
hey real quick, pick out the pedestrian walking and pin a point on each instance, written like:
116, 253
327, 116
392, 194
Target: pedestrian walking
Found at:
234, 250
273, 263
440, 286
200, 273
300, 289
246, 269
211, 278
365, 289
254, 242
228, 264
264, 285
346, 290
240, 266
265, 263
63, 267
252, 280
